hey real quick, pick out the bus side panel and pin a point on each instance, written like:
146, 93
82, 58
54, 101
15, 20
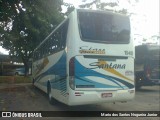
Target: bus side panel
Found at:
54, 72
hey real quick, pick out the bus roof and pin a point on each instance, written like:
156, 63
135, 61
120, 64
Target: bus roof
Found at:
149, 47
101, 11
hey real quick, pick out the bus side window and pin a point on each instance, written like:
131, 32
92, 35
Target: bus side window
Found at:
45, 49
53, 43
58, 39
64, 30
49, 46
38, 54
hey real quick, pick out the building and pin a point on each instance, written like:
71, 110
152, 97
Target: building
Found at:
7, 65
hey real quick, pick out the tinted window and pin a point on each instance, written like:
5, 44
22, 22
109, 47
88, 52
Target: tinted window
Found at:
154, 52
54, 43
103, 27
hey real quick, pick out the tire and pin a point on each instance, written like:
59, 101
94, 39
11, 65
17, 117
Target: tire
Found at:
16, 74
138, 87
32, 81
49, 94
138, 83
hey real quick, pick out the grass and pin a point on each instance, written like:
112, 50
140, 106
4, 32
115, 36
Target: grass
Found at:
15, 79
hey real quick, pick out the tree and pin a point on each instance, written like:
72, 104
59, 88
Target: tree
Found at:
108, 5
24, 24
70, 8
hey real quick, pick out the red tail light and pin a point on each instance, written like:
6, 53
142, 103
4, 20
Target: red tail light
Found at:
71, 67
148, 71
71, 73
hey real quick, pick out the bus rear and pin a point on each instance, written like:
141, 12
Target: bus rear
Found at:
100, 57
147, 65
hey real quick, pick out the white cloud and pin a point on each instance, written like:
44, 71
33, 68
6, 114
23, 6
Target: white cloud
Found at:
3, 51
150, 9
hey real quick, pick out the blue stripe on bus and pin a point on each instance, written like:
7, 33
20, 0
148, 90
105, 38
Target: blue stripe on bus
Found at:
59, 71
82, 72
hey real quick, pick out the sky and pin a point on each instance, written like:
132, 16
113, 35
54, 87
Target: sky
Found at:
145, 21
146, 18
3, 50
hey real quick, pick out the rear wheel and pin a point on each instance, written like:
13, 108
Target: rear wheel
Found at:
138, 87
138, 79
16, 73
33, 81
49, 93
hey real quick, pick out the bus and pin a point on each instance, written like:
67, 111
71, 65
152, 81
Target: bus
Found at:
87, 59
147, 65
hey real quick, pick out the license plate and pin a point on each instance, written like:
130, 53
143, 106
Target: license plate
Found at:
105, 95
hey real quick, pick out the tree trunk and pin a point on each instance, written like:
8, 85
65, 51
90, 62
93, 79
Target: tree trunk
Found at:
26, 65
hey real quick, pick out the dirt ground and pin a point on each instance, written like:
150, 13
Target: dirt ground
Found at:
25, 97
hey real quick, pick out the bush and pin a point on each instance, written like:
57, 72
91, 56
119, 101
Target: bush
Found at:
15, 79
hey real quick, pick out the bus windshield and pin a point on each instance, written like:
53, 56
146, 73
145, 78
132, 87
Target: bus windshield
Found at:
104, 28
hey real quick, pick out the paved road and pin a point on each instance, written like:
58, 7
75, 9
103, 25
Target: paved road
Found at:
25, 97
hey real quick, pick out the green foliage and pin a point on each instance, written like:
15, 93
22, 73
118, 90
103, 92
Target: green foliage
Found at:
102, 5
14, 79
99, 4
70, 8
24, 24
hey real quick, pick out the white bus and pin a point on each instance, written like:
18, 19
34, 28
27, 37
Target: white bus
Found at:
87, 59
